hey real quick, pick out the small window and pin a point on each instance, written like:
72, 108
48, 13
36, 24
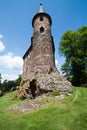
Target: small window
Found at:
41, 18
41, 30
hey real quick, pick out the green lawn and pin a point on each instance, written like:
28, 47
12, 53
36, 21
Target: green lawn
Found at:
69, 113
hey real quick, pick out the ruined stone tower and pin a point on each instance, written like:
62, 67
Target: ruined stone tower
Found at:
40, 56
39, 71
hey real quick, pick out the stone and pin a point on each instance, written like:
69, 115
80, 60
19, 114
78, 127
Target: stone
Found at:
40, 74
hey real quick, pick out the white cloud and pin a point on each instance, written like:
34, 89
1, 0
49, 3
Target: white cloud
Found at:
2, 46
56, 62
9, 77
10, 65
1, 36
11, 62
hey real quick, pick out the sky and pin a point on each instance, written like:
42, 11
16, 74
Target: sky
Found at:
16, 29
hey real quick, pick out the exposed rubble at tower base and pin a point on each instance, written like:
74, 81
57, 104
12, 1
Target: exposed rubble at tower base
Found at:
44, 83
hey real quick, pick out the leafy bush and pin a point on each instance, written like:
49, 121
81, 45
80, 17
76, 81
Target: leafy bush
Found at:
8, 86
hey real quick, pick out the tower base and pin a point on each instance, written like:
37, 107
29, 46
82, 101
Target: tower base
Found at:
43, 83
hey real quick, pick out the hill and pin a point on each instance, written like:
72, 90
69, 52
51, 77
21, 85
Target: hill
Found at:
69, 113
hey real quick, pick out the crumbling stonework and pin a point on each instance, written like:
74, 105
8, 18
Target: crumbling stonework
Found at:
39, 72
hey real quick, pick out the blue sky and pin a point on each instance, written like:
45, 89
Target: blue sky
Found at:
16, 29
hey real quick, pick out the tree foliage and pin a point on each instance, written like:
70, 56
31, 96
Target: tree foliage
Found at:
7, 86
73, 46
0, 77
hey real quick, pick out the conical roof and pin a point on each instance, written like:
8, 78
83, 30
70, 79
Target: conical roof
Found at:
41, 8
41, 12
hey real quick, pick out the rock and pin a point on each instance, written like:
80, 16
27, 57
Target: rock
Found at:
59, 97
44, 83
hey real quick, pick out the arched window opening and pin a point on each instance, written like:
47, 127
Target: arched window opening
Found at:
41, 18
41, 30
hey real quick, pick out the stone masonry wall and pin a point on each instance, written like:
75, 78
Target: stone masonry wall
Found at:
41, 57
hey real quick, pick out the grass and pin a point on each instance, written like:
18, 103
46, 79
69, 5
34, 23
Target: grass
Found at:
69, 113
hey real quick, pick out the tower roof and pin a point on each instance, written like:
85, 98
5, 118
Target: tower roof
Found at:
41, 12
41, 8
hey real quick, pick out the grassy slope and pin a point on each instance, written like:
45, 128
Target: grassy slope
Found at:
67, 114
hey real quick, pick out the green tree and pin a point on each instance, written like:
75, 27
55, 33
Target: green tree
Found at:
8, 86
18, 80
0, 77
73, 46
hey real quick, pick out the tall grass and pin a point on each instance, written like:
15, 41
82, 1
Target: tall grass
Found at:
69, 113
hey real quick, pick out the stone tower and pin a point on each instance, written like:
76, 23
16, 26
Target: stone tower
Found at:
39, 71
40, 56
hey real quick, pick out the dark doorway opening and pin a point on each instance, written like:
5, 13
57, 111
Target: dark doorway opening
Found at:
33, 88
